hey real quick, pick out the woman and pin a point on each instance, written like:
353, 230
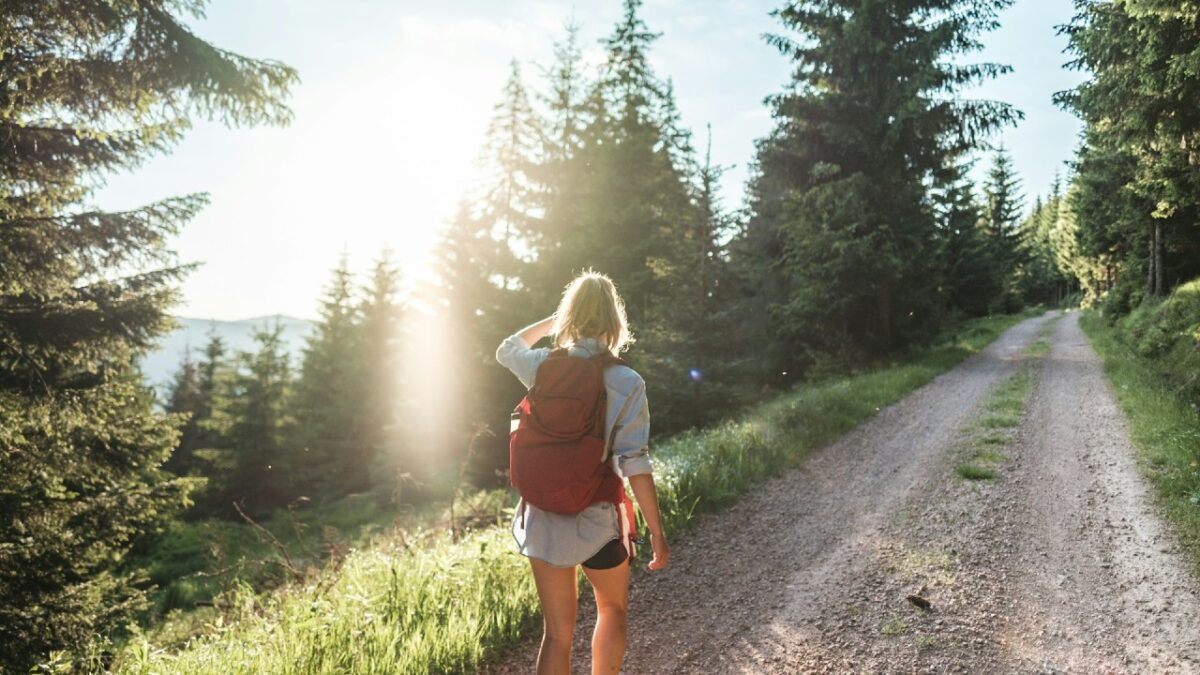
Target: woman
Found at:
590, 318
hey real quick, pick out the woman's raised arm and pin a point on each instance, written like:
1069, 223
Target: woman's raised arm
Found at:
536, 331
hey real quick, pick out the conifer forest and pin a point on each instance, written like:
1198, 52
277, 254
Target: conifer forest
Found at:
187, 527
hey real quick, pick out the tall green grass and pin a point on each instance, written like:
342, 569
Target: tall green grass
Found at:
445, 607
181, 559
1164, 424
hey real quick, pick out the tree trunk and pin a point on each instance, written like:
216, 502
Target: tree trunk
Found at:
1159, 290
1150, 262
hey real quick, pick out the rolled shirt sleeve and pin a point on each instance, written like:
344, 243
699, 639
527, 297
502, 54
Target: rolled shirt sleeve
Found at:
631, 434
518, 357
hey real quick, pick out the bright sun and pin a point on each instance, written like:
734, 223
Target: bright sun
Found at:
377, 156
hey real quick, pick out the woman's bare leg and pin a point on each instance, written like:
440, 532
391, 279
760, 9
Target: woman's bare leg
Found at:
558, 591
612, 609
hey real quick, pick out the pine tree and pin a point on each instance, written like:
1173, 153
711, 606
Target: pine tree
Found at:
712, 323
90, 88
570, 103
514, 141
625, 209
1111, 220
203, 448
252, 411
210, 366
328, 402
185, 397
628, 207
969, 281
1001, 219
384, 407
1090, 274
840, 198
485, 288
1139, 108
1037, 275
564, 101
1004, 204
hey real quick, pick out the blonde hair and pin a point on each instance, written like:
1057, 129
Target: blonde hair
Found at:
591, 307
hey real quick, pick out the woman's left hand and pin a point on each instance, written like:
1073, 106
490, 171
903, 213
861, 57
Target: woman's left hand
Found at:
662, 552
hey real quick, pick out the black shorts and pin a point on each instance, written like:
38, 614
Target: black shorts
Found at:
610, 556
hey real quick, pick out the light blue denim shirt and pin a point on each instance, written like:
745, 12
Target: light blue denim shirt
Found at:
567, 540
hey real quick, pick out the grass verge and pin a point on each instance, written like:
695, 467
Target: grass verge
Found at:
1164, 426
443, 608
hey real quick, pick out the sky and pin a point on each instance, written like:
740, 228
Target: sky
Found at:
395, 97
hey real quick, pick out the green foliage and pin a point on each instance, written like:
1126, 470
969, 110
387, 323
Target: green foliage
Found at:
844, 241
91, 88
191, 394
970, 280
379, 454
1167, 335
267, 435
1003, 204
1138, 198
325, 428
251, 412
446, 606
196, 561
1040, 277
186, 399
594, 171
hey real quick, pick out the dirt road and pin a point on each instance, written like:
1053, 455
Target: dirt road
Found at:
1059, 564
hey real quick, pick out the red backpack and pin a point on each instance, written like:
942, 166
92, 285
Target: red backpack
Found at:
556, 453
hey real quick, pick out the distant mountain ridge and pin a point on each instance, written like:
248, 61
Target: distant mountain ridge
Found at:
160, 365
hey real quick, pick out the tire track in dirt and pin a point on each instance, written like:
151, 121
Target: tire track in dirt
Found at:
810, 574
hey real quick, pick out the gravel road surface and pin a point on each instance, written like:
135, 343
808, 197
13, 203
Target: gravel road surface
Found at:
1058, 565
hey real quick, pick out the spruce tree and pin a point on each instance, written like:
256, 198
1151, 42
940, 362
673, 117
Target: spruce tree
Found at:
384, 406
252, 412
968, 279
90, 88
328, 402
186, 398
485, 290
569, 105
1038, 276
630, 210
840, 199
513, 143
212, 364
1004, 204
201, 452
1002, 211
713, 350
566, 87
1139, 107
